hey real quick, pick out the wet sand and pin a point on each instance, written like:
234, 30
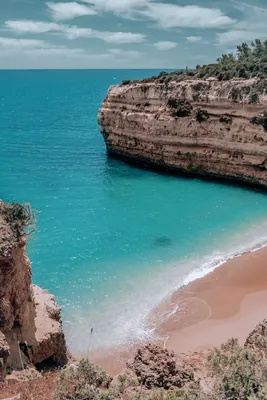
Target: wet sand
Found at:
228, 302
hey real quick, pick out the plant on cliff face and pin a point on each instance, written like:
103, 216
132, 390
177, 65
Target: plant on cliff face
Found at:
180, 107
238, 373
20, 217
253, 98
201, 115
260, 120
81, 382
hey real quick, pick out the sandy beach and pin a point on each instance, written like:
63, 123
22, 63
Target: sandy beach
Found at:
228, 302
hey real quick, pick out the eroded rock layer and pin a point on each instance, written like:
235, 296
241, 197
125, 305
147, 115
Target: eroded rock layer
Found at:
30, 325
209, 127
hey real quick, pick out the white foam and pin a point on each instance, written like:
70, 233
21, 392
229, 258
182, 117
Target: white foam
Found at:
122, 318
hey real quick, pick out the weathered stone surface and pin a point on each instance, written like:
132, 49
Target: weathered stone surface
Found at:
4, 354
30, 324
257, 339
139, 122
159, 368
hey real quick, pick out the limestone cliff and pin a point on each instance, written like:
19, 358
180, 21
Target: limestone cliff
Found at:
204, 126
30, 325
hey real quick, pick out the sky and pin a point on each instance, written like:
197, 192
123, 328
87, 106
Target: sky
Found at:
125, 33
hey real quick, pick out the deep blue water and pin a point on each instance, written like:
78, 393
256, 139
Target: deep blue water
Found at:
111, 240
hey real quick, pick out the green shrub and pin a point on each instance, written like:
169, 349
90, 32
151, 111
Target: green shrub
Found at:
126, 82
18, 217
201, 115
180, 107
260, 120
196, 96
238, 373
253, 98
84, 381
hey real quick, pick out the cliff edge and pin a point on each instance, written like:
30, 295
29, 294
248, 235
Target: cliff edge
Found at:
209, 121
30, 325
204, 126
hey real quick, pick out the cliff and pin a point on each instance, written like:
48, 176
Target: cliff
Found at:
30, 324
201, 126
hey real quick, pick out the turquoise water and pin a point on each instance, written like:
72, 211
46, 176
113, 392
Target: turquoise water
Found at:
112, 240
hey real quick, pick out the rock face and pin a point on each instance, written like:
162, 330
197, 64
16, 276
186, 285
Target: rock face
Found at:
30, 325
207, 127
159, 368
257, 339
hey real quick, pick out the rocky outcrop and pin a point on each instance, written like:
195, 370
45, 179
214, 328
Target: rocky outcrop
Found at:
159, 368
30, 324
207, 127
257, 339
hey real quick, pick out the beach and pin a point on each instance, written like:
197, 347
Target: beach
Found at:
228, 302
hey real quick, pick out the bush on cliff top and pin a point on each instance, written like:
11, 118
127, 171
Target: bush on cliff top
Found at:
249, 60
18, 217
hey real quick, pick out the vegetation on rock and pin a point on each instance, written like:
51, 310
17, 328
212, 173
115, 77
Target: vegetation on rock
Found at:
18, 217
231, 372
249, 60
260, 120
180, 107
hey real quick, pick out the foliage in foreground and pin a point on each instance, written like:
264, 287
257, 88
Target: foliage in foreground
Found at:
234, 372
239, 372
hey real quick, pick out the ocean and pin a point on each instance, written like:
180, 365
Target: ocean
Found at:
111, 240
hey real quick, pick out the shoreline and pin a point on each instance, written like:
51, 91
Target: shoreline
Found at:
227, 302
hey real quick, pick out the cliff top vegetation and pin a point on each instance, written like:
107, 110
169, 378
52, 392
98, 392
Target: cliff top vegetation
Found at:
248, 61
16, 220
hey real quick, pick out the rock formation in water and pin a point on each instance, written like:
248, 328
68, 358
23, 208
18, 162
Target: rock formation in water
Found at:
211, 121
204, 126
30, 325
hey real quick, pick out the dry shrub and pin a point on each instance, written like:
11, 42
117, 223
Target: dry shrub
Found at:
238, 372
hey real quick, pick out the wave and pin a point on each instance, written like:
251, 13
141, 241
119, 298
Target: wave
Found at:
125, 318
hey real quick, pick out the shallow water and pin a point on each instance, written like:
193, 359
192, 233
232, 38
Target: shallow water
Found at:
112, 240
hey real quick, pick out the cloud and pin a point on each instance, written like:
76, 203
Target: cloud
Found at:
117, 6
28, 26
237, 36
73, 32
124, 53
109, 37
13, 43
163, 46
173, 16
252, 25
193, 39
66, 11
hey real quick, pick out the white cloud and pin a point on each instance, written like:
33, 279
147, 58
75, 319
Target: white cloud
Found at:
172, 16
73, 32
163, 46
124, 53
237, 36
28, 26
65, 11
193, 39
117, 6
252, 25
13, 43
